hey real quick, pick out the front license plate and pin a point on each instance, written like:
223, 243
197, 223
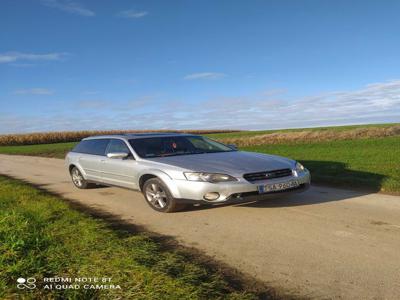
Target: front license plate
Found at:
277, 186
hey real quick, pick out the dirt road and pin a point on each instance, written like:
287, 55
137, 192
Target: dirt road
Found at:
324, 243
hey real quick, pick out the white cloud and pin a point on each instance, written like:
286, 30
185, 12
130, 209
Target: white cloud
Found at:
33, 91
10, 57
205, 75
375, 103
6, 58
69, 6
132, 14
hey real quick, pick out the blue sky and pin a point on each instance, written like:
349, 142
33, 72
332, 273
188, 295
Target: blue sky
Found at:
72, 65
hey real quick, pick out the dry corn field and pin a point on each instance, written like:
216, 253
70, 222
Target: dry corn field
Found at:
74, 136
298, 136
313, 136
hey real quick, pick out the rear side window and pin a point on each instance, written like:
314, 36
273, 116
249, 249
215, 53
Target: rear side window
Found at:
96, 147
117, 146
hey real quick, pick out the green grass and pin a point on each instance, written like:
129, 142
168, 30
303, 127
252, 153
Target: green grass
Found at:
368, 163
261, 132
42, 236
57, 150
372, 163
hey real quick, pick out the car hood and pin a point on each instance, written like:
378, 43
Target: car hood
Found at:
234, 163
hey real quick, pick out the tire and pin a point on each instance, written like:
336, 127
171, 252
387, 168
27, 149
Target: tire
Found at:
78, 180
158, 196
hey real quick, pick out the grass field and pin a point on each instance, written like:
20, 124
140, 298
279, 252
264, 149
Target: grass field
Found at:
358, 159
57, 150
365, 163
42, 236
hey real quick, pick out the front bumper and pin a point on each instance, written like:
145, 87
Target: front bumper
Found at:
193, 191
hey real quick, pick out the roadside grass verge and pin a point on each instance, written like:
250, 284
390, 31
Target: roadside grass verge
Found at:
42, 236
364, 163
57, 150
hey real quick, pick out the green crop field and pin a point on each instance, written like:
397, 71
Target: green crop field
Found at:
57, 150
362, 156
42, 236
368, 163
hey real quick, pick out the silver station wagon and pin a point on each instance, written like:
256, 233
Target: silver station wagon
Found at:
172, 169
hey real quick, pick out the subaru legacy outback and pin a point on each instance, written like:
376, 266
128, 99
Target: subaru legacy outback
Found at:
172, 169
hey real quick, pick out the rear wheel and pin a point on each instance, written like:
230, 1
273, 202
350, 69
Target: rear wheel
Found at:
78, 179
158, 196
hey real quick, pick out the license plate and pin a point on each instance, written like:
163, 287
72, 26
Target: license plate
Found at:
277, 186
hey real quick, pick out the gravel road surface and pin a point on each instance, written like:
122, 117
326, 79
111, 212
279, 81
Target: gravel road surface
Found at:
325, 243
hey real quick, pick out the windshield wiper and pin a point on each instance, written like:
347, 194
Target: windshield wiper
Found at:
170, 154
188, 153
176, 154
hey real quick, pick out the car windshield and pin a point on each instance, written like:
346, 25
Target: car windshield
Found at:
176, 145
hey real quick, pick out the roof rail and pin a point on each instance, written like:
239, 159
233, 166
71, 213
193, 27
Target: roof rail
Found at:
151, 133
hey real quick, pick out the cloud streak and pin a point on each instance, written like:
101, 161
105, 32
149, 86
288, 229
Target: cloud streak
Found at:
33, 91
69, 6
11, 57
204, 76
132, 14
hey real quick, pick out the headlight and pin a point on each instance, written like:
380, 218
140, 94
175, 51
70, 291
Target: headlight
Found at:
208, 177
299, 167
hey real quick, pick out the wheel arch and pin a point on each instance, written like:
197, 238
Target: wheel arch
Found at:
164, 177
144, 178
72, 165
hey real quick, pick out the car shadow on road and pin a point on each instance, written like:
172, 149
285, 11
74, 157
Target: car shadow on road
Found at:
334, 182
315, 195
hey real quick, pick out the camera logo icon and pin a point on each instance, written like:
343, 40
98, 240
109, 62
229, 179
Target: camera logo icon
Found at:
28, 283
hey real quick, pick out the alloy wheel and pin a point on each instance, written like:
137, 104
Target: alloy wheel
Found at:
77, 178
156, 195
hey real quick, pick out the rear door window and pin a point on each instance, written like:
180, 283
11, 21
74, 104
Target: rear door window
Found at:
117, 146
95, 146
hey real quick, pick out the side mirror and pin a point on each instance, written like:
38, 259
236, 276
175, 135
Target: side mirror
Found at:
117, 155
232, 146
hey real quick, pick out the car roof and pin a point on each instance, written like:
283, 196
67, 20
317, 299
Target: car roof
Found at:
129, 136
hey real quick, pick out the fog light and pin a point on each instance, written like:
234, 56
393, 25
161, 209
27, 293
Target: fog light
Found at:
211, 196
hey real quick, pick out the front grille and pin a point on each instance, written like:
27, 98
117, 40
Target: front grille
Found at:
267, 175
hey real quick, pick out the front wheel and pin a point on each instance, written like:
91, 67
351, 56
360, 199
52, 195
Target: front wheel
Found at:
158, 196
78, 179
